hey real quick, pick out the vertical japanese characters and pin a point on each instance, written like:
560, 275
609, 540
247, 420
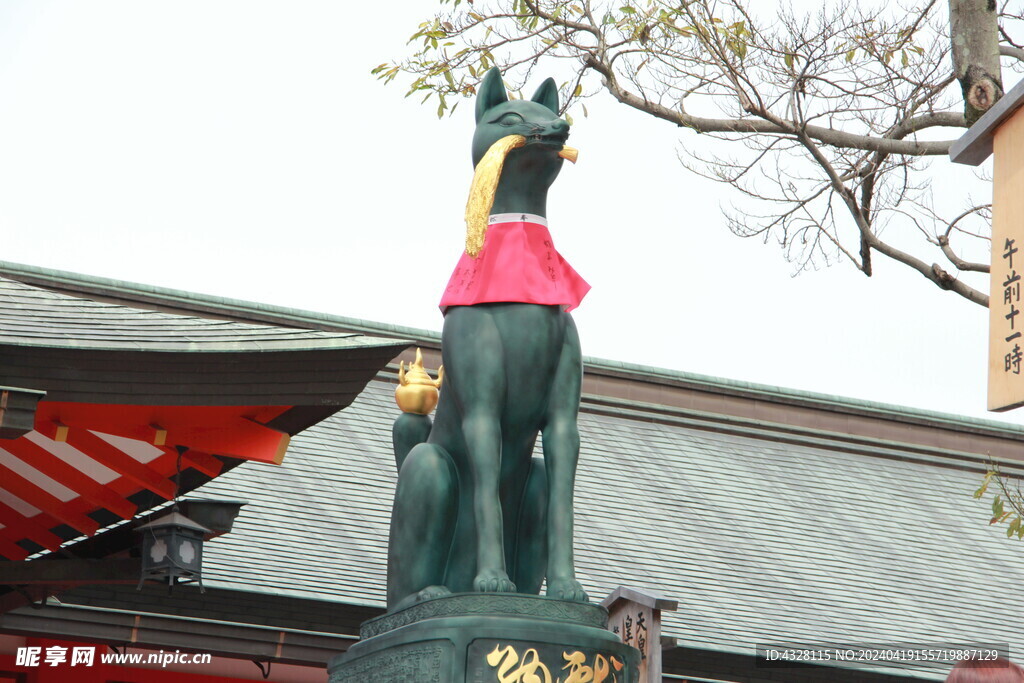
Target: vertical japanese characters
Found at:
1010, 302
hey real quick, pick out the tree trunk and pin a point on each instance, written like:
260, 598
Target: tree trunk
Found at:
974, 33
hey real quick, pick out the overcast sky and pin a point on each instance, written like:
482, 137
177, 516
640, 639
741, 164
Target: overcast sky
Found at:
243, 149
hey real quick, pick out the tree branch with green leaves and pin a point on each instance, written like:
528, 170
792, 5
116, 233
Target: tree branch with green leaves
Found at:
1007, 504
830, 122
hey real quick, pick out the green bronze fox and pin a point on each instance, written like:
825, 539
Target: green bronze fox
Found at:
474, 510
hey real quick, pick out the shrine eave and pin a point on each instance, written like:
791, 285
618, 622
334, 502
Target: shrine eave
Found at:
328, 376
107, 410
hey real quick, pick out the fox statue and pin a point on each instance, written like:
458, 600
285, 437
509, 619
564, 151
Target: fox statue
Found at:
474, 510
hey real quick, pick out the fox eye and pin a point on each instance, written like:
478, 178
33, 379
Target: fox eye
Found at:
510, 119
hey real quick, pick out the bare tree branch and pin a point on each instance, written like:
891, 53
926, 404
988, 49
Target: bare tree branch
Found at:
1010, 51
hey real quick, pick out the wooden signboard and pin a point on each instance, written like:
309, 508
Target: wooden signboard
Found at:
1001, 131
635, 616
1006, 323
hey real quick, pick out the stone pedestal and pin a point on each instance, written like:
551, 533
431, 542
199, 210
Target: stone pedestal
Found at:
489, 638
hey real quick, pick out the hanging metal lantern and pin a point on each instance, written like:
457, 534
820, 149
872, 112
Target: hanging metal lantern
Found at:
172, 550
216, 515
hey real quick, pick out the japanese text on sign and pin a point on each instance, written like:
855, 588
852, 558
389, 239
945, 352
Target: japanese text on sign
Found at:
529, 669
1011, 299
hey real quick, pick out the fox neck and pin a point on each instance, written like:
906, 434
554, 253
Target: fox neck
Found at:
527, 175
516, 194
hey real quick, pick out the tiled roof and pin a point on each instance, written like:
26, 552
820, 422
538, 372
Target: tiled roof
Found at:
31, 316
760, 538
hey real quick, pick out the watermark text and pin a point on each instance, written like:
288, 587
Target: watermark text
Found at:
58, 655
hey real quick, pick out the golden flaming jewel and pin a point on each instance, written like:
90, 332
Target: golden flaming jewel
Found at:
416, 391
485, 184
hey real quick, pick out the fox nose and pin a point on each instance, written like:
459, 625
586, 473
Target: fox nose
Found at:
559, 127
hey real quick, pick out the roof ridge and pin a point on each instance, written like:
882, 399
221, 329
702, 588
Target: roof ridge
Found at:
800, 397
34, 316
167, 295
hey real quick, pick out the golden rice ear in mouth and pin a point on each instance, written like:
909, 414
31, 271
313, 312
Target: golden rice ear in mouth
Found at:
485, 184
481, 192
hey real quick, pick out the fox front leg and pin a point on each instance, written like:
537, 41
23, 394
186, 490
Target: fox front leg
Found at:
472, 350
561, 453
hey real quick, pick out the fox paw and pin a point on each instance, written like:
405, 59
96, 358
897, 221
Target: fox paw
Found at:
567, 589
432, 592
493, 582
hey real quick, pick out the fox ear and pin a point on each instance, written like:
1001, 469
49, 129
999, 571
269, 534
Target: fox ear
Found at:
492, 93
547, 94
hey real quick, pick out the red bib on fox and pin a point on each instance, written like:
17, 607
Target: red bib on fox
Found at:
518, 263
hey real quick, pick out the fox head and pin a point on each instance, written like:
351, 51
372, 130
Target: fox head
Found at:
528, 170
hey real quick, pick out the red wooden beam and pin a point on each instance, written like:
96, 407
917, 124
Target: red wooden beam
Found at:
119, 461
221, 430
39, 498
120, 485
31, 528
203, 462
11, 550
235, 436
85, 486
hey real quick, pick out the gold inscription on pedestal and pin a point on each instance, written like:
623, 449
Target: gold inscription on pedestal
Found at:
529, 669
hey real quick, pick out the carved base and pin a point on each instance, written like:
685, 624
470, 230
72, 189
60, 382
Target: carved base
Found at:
488, 638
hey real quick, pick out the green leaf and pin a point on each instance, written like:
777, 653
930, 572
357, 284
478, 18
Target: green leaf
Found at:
904, 59
788, 59
585, 113
984, 485
578, 91
850, 55
998, 513
1013, 528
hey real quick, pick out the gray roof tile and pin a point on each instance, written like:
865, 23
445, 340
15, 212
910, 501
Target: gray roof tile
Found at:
31, 316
